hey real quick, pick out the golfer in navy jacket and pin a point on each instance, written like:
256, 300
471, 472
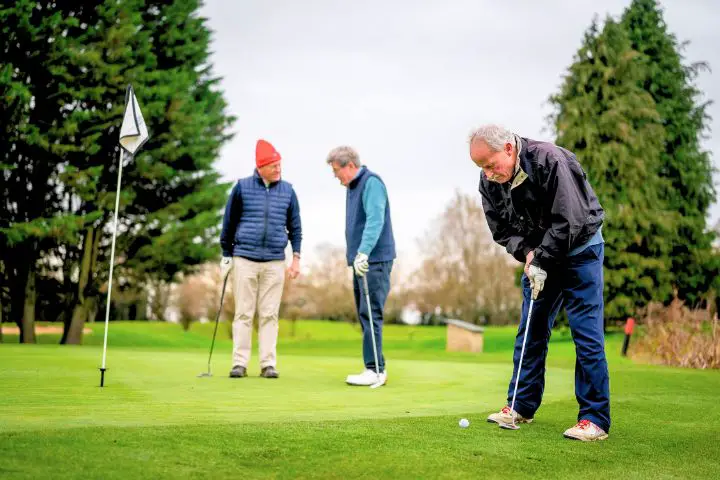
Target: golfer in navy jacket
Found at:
540, 207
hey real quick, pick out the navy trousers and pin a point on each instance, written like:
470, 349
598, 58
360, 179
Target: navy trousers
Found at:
578, 286
378, 278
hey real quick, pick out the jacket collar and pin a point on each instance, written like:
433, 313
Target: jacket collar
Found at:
354, 182
260, 180
520, 174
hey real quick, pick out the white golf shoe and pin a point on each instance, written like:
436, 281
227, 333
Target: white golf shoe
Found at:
367, 378
586, 431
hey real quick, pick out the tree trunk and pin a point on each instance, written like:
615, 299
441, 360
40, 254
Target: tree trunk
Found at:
160, 299
92, 308
3, 273
27, 331
73, 330
141, 310
93, 305
19, 283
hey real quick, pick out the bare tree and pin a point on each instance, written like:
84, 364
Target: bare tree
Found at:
326, 290
198, 295
465, 272
159, 299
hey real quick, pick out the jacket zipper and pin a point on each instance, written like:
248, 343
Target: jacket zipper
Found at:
267, 203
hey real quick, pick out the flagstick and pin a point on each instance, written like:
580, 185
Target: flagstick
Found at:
110, 278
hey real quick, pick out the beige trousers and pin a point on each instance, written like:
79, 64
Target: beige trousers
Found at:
257, 285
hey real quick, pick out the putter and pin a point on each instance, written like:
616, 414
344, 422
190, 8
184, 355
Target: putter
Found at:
372, 333
217, 319
513, 425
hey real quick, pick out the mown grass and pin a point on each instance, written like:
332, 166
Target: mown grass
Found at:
156, 419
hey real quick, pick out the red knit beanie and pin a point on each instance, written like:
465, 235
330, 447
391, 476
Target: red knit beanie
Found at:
265, 154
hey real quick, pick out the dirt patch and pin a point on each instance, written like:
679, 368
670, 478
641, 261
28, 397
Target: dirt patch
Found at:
39, 330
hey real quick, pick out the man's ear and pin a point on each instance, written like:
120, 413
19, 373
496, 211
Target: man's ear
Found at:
508, 149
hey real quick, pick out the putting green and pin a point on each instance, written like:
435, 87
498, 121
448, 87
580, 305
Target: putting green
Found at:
157, 419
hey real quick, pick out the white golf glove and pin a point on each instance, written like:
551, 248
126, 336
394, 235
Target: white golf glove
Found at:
537, 277
226, 265
361, 264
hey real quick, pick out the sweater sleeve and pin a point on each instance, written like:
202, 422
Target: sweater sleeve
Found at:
233, 212
374, 200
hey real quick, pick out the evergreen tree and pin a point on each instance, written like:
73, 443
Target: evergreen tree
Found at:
101, 53
683, 162
612, 124
28, 153
171, 199
64, 125
177, 195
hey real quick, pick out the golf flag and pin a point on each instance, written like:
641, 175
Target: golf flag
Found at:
133, 132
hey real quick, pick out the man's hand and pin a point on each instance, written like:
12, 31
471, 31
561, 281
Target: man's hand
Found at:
536, 275
226, 265
294, 270
537, 279
361, 264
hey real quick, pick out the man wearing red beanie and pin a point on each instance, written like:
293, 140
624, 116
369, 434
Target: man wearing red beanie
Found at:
261, 216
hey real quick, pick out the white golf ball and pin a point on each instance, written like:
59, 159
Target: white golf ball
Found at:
464, 423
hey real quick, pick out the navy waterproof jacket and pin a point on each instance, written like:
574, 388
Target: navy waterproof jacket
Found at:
259, 220
548, 206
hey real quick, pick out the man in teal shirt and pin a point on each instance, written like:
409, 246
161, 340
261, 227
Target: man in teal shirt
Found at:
370, 251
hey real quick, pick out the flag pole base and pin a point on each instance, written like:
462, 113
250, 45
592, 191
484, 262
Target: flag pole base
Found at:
102, 376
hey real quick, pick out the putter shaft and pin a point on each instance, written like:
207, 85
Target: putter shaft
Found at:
513, 426
217, 320
372, 332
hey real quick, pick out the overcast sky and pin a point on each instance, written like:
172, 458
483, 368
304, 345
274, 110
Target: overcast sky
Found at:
404, 82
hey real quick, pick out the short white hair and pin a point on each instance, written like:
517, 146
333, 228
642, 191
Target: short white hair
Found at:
344, 155
494, 135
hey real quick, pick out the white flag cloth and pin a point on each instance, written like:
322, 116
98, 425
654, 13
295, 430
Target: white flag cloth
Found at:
133, 132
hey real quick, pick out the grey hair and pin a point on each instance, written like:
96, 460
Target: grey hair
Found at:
494, 135
344, 155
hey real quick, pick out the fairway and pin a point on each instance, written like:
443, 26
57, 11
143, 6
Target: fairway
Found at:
156, 419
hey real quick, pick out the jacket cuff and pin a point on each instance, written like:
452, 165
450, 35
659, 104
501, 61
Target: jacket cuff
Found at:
539, 263
520, 254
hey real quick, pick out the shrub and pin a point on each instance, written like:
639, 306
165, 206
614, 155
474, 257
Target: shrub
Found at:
675, 335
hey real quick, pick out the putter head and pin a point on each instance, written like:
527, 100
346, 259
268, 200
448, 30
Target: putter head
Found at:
205, 374
508, 426
379, 382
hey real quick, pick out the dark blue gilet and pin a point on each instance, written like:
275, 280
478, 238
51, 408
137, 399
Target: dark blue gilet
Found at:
355, 218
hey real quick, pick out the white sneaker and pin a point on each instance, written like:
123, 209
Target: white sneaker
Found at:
586, 431
505, 415
367, 378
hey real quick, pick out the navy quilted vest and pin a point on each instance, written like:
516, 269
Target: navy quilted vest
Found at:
261, 234
384, 250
